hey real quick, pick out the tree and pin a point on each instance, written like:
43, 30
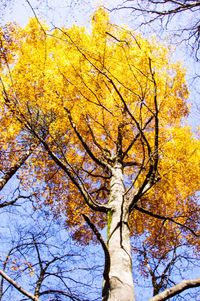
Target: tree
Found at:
159, 270
106, 109
40, 260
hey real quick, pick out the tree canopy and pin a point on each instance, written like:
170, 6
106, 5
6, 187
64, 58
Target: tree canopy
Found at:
78, 104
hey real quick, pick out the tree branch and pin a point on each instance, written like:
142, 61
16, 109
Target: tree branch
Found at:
61, 292
84, 144
88, 199
177, 289
164, 218
12, 170
180, 7
18, 287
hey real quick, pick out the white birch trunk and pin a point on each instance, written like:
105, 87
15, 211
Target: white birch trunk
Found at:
120, 273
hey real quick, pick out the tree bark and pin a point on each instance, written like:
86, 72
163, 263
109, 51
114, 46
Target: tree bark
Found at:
120, 277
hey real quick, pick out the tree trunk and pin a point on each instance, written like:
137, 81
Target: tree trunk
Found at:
120, 277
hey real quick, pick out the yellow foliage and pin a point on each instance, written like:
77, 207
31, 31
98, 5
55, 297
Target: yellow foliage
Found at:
105, 79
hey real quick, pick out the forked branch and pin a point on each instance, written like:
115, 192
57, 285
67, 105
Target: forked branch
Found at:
82, 189
84, 144
152, 175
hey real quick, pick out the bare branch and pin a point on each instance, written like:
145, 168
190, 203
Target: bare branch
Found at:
188, 28
18, 287
164, 218
60, 292
177, 289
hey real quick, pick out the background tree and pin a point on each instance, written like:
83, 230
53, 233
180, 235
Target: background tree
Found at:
183, 16
38, 256
164, 270
106, 110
